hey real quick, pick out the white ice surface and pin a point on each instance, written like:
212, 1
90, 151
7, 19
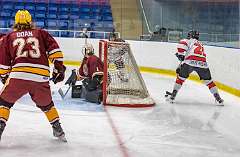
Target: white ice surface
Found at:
192, 127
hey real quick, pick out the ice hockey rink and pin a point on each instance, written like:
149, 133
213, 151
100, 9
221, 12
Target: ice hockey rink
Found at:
192, 127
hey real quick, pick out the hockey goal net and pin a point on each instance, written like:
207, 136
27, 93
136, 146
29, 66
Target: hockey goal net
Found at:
123, 84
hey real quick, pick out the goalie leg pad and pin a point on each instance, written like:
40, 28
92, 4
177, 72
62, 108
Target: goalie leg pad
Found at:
94, 96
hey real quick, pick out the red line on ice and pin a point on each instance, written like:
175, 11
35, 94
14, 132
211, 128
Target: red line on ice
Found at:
123, 149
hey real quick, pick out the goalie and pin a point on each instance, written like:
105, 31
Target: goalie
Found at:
91, 74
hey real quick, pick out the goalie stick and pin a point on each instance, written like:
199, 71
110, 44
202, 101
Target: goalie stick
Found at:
70, 81
62, 94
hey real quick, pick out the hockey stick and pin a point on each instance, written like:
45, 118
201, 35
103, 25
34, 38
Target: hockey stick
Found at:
62, 94
71, 81
167, 94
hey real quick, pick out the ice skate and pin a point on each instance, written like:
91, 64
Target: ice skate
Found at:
172, 96
58, 131
2, 126
218, 99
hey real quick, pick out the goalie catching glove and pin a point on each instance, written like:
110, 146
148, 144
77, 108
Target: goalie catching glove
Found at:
58, 72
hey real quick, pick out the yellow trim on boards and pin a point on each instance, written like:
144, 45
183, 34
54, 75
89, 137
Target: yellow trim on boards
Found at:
172, 73
195, 78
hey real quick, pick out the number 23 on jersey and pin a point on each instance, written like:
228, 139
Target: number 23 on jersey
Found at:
21, 43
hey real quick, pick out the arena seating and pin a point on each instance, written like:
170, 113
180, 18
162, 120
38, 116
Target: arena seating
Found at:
61, 14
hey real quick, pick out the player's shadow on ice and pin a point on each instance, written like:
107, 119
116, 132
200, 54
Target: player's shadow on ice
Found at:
194, 103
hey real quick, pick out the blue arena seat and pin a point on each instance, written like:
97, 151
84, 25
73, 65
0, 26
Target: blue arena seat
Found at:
84, 17
30, 8
107, 11
63, 25
52, 15
40, 24
63, 9
63, 16
74, 9
41, 8
85, 10
3, 24
96, 18
96, 10
7, 6
40, 14
19, 6
107, 18
54, 33
74, 17
6, 13
52, 7
98, 26
52, 24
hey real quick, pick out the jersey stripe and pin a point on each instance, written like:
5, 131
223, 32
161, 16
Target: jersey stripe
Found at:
55, 56
53, 51
28, 76
4, 69
197, 58
32, 70
28, 71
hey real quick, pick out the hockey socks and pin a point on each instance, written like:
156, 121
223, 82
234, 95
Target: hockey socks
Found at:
52, 114
4, 113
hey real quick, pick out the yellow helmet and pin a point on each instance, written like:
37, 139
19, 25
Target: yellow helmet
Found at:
23, 17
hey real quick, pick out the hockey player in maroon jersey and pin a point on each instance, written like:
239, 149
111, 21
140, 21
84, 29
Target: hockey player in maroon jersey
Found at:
193, 58
91, 74
25, 55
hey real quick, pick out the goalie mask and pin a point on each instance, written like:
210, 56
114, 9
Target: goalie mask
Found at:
88, 49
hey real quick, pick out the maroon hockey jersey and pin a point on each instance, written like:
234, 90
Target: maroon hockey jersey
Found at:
90, 67
26, 54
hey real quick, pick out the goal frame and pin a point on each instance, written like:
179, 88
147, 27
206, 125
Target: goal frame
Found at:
103, 55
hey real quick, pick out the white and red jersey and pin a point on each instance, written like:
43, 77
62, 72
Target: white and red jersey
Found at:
193, 51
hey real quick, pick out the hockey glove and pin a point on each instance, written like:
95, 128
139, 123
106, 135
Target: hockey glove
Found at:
180, 57
178, 70
58, 72
4, 78
72, 78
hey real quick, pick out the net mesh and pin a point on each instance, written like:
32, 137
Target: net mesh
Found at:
124, 81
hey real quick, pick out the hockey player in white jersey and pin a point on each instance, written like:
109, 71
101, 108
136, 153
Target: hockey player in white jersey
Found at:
192, 56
